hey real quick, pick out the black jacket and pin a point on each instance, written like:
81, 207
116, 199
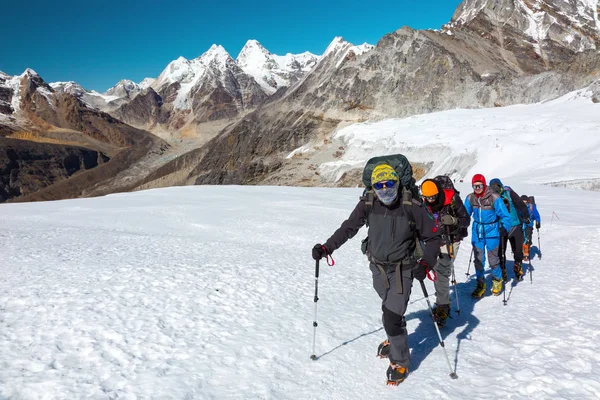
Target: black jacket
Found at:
449, 203
391, 237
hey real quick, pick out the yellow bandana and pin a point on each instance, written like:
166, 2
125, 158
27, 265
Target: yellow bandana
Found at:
382, 173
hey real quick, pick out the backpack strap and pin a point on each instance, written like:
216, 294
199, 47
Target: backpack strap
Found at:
407, 202
368, 197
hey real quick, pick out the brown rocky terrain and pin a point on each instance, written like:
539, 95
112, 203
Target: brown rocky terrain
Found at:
27, 167
56, 147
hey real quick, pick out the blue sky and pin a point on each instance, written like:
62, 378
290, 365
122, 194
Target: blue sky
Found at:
97, 43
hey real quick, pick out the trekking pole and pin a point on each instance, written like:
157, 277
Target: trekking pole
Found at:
450, 248
455, 291
470, 259
530, 273
452, 372
313, 356
539, 245
503, 268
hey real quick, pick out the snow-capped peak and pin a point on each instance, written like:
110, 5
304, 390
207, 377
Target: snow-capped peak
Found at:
216, 54
124, 88
178, 70
252, 53
336, 44
468, 10
4, 75
29, 72
70, 87
272, 71
354, 51
146, 82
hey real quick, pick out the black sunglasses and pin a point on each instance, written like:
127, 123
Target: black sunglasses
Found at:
381, 185
478, 186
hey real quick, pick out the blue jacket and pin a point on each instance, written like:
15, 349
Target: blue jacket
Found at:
534, 215
516, 207
487, 211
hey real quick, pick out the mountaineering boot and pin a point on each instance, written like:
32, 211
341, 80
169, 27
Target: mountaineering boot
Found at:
479, 290
519, 271
383, 351
525, 252
441, 312
396, 374
496, 286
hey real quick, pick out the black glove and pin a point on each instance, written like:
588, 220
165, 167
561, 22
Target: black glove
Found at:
537, 225
527, 221
319, 251
449, 220
420, 271
503, 231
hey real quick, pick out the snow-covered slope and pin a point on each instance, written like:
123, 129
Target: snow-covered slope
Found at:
272, 71
555, 141
206, 292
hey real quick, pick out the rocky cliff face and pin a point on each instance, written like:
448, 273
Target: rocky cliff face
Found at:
27, 167
537, 35
6, 94
145, 111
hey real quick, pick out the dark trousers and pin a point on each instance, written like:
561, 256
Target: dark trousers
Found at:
516, 238
394, 299
529, 235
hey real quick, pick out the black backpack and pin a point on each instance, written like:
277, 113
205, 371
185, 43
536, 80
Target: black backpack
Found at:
409, 190
402, 167
444, 182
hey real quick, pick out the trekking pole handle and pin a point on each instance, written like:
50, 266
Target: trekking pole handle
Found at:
316, 281
449, 245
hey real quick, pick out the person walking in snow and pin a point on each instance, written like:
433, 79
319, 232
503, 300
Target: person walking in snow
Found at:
519, 215
447, 210
393, 218
534, 215
489, 214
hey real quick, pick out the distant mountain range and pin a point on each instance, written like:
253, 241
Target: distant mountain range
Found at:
220, 120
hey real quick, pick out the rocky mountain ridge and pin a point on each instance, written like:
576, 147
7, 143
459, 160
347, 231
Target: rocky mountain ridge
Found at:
490, 54
486, 56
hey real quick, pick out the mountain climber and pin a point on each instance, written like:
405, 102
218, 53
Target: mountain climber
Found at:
446, 208
519, 215
489, 214
534, 215
394, 220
